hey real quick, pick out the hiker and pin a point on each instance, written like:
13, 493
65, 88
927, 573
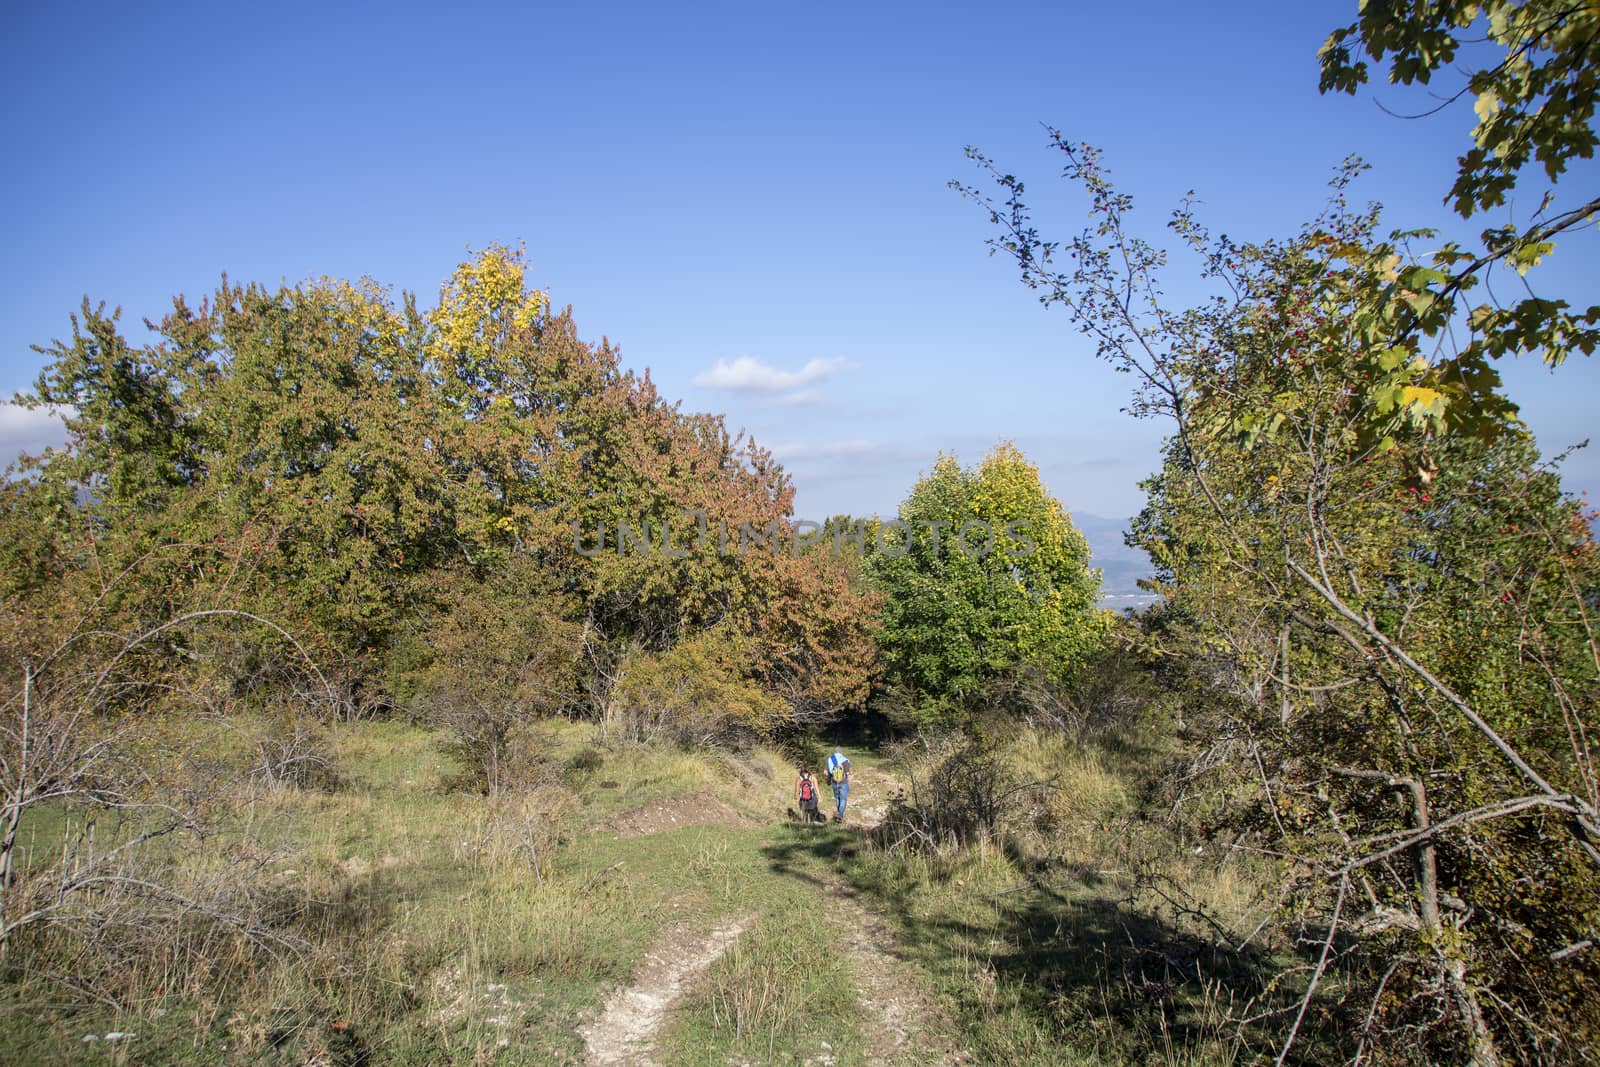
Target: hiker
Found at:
805, 791
839, 779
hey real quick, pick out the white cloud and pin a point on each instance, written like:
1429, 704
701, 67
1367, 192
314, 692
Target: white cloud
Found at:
749, 375
28, 430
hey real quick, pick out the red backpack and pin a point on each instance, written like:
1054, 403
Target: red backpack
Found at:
806, 786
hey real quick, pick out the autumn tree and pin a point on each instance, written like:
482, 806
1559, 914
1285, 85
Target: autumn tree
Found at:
815, 635
378, 463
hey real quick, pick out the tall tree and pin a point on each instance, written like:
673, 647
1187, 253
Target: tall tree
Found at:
1408, 619
983, 575
375, 461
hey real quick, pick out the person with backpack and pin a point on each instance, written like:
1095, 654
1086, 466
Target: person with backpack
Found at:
839, 779
805, 791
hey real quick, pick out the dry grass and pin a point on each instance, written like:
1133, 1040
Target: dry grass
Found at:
430, 925
446, 927
1081, 930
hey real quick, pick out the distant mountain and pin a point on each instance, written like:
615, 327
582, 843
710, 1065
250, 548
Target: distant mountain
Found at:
1121, 567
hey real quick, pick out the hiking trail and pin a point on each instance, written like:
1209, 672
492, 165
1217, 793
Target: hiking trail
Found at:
626, 1031
902, 1022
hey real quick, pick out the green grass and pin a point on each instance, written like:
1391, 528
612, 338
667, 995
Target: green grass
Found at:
1046, 976
780, 995
451, 928
437, 939
1045, 945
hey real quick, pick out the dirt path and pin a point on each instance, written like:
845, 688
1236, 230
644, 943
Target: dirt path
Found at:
870, 790
626, 1031
903, 1022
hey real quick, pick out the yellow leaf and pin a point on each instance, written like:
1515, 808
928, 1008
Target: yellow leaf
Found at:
1420, 396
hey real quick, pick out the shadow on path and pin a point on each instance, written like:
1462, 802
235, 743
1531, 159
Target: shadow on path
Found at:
1068, 949
904, 1023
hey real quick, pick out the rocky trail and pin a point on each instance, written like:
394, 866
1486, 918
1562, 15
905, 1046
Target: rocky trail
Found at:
632, 1018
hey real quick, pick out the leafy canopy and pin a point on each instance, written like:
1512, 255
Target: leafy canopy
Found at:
985, 576
1531, 70
383, 469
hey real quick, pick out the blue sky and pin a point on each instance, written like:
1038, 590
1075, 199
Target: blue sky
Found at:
748, 198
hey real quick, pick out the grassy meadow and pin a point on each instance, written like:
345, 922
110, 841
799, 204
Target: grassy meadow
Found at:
425, 923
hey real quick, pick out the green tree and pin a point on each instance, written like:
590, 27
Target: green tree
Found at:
983, 576
130, 442
1533, 87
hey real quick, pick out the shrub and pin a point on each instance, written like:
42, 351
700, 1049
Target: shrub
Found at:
959, 790
699, 694
499, 663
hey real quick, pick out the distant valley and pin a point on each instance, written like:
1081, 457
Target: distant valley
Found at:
1122, 567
